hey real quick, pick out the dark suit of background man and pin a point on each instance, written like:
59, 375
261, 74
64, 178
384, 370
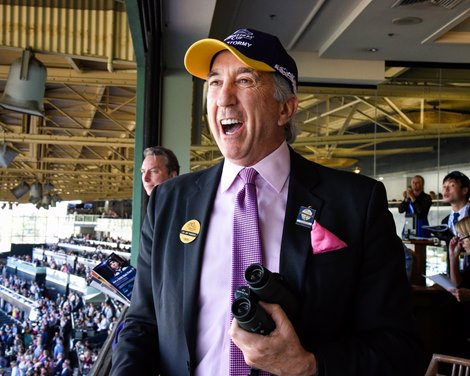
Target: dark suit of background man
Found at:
416, 205
355, 316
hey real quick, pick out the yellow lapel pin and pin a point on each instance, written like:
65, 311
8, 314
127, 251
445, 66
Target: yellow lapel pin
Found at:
190, 231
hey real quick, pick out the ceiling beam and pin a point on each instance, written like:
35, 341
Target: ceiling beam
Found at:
365, 137
81, 173
68, 140
84, 161
126, 77
394, 90
385, 136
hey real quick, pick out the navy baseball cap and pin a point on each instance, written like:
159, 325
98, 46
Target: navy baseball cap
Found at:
259, 50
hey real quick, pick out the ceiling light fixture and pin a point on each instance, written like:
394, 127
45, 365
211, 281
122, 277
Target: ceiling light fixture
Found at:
7, 155
407, 21
47, 187
20, 190
35, 193
26, 85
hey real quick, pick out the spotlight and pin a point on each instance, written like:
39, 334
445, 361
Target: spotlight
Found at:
35, 193
20, 190
46, 200
54, 200
26, 85
47, 187
7, 155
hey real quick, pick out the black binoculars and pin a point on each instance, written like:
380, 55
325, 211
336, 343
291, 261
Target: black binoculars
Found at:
268, 287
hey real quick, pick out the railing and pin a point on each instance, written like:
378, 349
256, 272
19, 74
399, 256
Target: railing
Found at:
93, 250
25, 266
26, 305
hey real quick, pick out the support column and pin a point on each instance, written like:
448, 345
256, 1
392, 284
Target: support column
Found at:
176, 116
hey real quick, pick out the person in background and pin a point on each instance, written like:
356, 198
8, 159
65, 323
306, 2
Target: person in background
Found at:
329, 233
14, 369
456, 192
66, 369
455, 330
159, 165
458, 244
416, 204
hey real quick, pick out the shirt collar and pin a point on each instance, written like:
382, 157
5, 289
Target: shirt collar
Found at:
463, 211
274, 168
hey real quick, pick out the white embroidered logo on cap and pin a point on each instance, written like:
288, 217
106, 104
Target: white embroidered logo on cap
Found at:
239, 34
289, 75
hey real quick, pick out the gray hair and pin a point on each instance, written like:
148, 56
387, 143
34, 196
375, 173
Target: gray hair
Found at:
171, 162
282, 93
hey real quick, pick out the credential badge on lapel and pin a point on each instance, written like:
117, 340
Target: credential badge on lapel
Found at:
305, 217
190, 231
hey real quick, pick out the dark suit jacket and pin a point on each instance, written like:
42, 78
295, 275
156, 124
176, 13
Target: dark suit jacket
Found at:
445, 220
356, 315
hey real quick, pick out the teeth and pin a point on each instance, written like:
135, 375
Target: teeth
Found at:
229, 121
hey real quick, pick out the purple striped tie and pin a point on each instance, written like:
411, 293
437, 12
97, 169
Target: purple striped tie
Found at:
246, 250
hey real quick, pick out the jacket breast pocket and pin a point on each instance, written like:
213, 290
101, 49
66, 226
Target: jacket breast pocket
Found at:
338, 256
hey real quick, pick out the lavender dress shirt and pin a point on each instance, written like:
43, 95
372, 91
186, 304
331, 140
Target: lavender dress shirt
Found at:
214, 297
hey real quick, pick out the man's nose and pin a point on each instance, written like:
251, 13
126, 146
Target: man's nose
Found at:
226, 95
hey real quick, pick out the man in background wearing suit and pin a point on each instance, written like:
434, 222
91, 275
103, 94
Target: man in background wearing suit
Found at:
159, 165
328, 233
456, 192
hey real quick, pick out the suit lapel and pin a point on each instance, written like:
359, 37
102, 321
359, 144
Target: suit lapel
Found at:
296, 243
198, 205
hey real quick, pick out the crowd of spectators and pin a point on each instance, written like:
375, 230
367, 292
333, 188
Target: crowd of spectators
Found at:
66, 335
76, 267
107, 242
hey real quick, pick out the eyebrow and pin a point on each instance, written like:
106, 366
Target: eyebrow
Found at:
464, 237
240, 70
150, 169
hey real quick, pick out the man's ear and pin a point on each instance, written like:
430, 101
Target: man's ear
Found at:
288, 110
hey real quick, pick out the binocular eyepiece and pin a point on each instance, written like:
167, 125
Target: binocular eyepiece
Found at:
266, 286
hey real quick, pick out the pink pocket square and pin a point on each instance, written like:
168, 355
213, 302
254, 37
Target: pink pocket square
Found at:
323, 240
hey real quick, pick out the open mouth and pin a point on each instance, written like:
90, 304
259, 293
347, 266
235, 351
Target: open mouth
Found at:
230, 126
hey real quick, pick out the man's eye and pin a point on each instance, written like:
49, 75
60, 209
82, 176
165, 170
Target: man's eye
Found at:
214, 82
245, 82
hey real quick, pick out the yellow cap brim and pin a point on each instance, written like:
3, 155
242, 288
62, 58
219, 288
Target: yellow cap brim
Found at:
199, 57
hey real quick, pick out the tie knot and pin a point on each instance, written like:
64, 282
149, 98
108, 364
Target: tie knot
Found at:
248, 175
456, 216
